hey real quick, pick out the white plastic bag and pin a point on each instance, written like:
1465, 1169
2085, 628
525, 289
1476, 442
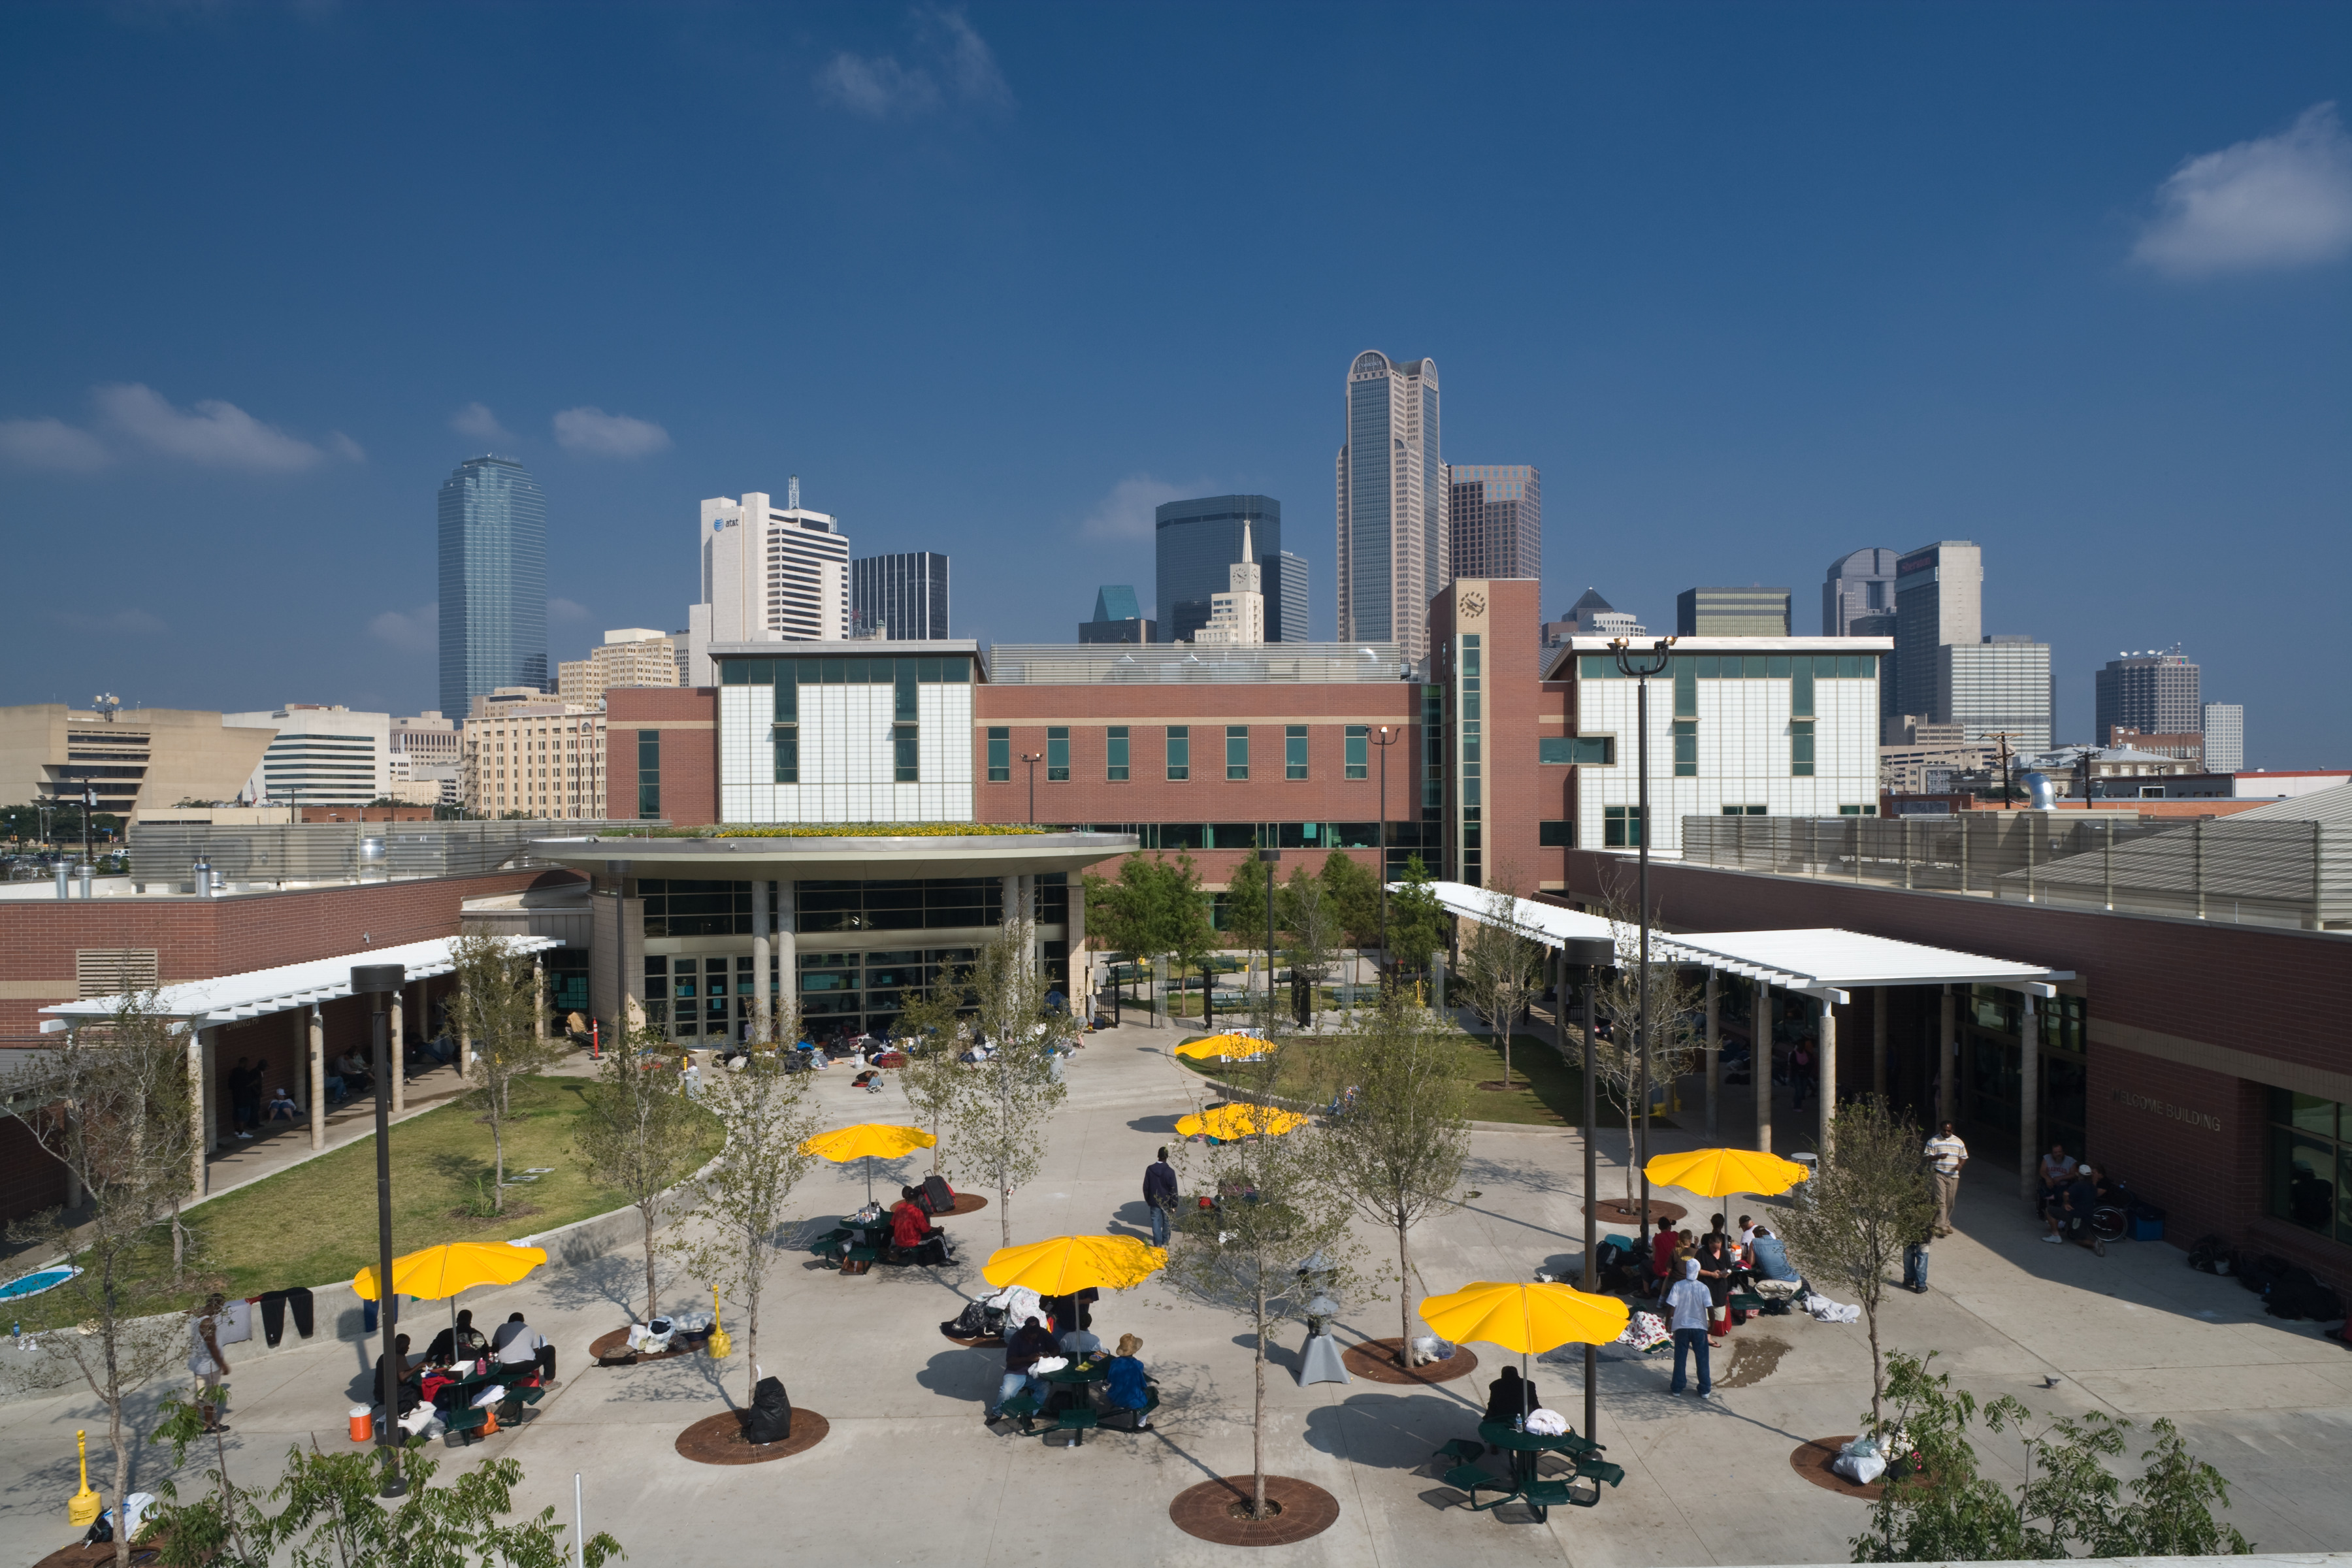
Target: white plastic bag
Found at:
494, 1394
1863, 1469
1045, 1363
1546, 1422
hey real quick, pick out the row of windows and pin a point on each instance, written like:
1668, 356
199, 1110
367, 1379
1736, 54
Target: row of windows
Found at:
946, 669
1356, 762
688, 907
1744, 666
1600, 750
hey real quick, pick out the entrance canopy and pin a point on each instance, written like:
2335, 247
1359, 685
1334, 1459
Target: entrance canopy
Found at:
232, 998
1823, 962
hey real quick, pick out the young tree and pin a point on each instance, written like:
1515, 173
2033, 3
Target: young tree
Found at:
112, 1104
1187, 934
1311, 916
495, 1007
762, 1110
1123, 913
1354, 894
1868, 1199
1397, 1146
1245, 911
639, 1134
1001, 1118
1943, 1510
1417, 921
930, 1030
1621, 1060
1502, 968
1277, 1206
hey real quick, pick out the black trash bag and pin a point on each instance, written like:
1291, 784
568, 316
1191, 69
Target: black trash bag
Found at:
770, 1419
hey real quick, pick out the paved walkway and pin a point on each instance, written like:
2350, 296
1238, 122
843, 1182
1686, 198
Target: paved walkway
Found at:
909, 1475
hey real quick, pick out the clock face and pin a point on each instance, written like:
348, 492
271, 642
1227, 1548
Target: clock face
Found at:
1473, 606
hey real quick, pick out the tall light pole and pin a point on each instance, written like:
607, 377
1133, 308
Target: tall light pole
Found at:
1267, 859
1641, 668
379, 982
1595, 953
1033, 759
1384, 738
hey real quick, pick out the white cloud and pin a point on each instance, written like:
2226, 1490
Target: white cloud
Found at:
566, 610
1126, 512
475, 420
127, 622
594, 433
414, 631
2277, 202
218, 435
344, 447
47, 443
952, 64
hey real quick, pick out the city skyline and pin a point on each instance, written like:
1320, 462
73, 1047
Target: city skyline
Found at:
1744, 377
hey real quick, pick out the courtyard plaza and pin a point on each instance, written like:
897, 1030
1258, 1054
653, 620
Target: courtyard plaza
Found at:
908, 1473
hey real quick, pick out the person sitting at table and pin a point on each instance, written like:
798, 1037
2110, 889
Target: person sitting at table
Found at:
1126, 1388
517, 1344
1772, 1257
461, 1342
1510, 1397
911, 1230
354, 1072
406, 1380
1023, 1348
1079, 1342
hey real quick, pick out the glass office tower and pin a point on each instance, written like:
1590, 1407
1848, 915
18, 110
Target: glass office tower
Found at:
1395, 541
1194, 545
493, 582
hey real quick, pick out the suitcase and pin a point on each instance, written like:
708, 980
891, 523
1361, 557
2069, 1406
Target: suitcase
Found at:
937, 1196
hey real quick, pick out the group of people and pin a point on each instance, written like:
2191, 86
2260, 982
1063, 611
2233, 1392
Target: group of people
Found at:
515, 1343
1695, 1279
1062, 1327
2071, 1190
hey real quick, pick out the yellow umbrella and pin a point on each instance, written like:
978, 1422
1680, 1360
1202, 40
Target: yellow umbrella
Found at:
452, 1268
1720, 1172
1229, 1121
1528, 1318
1068, 1264
1225, 1046
869, 1142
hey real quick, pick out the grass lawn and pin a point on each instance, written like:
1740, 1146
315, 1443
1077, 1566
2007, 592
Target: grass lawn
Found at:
316, 1223
1546, 1092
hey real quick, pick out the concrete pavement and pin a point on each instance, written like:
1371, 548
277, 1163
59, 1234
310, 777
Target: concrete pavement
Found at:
911, 1474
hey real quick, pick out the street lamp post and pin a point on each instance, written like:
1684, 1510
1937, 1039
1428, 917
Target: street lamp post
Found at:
1641, 668
1267, 859
1384, 739
1033, 759
379, 982
88, 807
1595, 954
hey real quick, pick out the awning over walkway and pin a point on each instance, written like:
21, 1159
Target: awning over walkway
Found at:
1820, 962
232, 998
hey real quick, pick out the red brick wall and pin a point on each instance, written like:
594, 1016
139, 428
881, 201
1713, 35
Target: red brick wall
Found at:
688, 718
193, 938
1514, 704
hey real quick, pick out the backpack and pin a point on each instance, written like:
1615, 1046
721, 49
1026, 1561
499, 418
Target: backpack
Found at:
937, 1196
2210, 1255
2297, 1293
2262, 1272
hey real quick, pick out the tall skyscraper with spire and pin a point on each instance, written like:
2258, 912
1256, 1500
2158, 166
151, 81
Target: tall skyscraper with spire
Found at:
1394, 543
493, 582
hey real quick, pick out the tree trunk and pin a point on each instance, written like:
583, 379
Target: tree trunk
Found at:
1631, 1199
1208, 981
499, 1151
1506, 1053
645, 1209
751, 1328
1877, 1377
121, 1478
1404, 1302
1257, 1416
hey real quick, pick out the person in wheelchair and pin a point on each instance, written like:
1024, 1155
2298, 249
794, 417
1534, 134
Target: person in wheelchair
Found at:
2070, 1214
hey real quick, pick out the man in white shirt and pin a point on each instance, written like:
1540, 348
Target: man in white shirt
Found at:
517, 1344
1946, 1154
1692, 1305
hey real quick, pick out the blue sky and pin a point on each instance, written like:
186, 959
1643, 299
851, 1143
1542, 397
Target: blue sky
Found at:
1753, 286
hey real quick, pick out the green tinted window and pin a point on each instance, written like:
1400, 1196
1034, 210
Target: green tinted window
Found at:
1685, 687
1180, 752
1294, 751
1114, 754
1800, 748
1359, 761
1236, 751
1685, 748
1556, 834
1057, 755
1800, 689
1000, 754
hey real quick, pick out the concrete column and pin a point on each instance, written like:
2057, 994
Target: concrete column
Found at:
1825, 1062
1759, 1063
318, 1036
210, 1072
1082, 964
2029, 1097
200, 1140
1714, 1051
788, 961
762, 1022
1878, 1042
399, 1055
1947, 1104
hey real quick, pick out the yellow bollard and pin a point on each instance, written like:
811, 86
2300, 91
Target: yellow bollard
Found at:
720, 1343
82, 1509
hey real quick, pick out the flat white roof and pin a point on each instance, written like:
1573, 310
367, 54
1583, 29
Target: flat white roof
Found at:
231, 998
1819, 961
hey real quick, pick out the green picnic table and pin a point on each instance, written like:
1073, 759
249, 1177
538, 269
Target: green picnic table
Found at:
1523, 1484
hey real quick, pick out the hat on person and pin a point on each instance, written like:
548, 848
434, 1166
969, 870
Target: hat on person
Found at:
1690, 1267
1129, 1344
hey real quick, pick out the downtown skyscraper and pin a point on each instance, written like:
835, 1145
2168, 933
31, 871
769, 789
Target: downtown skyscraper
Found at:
493, 524
1394, 505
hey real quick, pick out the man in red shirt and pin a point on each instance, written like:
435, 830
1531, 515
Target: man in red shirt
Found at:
911, 1229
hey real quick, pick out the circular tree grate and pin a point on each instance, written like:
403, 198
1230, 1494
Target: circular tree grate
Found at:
1218, 1511
1617, 1211
1375, 1362
718, 1439
613, 1350
1811, 1460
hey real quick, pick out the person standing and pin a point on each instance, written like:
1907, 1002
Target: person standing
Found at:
207, 1362
1160, 1195
1914, 1261
1800, 1074
1691, 1304
1946, 1154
